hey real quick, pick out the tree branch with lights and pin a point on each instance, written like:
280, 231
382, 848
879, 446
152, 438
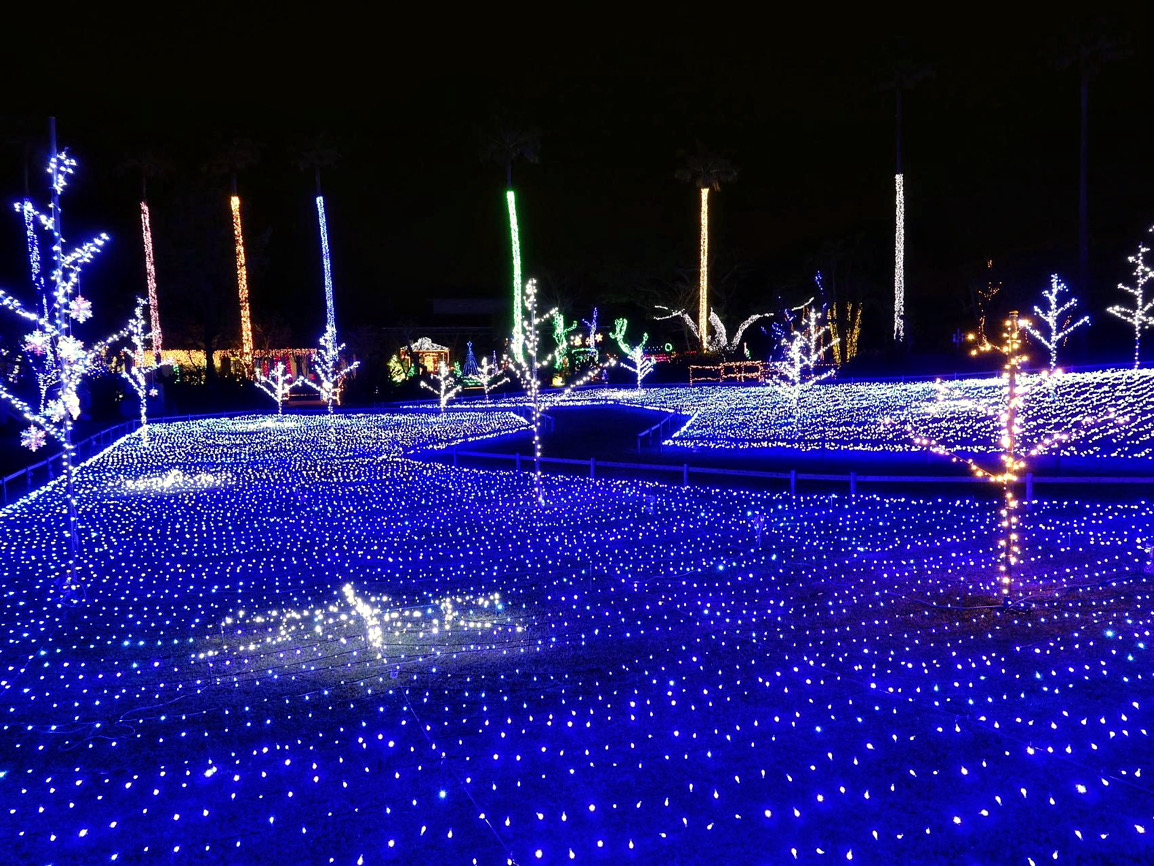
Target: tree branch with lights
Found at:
1013, 457
637, 362
330, 368
60, 359
526, 367
719, 341
277, 383
141, 355
1140, 315
1059, 319
448, 384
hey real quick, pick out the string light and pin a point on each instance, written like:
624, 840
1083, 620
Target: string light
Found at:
518, 304
899, 259
1141, 315
141, 354
448, 384
625, 673
150, 275
703, 279
277, 383
326, 262
242, 284
1060, 323
720, 341
638, 363
331, 369
60, 360
1012, 454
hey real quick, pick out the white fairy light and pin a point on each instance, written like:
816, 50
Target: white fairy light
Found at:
331, 368
1140, 315
720, 341
448, 384
61, 361
1059, 319
141, 353
277, 383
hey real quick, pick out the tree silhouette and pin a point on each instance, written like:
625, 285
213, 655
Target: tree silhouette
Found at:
1087, 52
904, 75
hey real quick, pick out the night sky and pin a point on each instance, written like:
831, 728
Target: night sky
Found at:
990, 151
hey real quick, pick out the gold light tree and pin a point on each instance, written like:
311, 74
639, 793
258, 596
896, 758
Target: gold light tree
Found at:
1014, 457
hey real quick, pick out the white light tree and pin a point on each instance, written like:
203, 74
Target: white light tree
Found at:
803, 349
61, 359
718, 341
448, 384
277, 384
142, 357
1141, 315
490, 375
638, 362
1059, 319
525, 369
330, 368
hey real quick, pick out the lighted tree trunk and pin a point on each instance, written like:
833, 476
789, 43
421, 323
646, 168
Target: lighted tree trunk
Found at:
703, 280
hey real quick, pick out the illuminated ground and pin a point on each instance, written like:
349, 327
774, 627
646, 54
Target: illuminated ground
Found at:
853, 416
297, 646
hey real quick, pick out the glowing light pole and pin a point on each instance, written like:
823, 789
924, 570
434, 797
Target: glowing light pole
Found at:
150, 274
241, 282
703, 278
326, 261
518, 303
899, 259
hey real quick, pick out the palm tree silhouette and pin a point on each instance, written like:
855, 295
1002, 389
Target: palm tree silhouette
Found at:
903, 76
321, 151
706, 172
231, 158
1088, 52
150, 165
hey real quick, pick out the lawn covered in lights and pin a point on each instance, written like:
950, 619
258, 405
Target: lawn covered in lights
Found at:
296, 645
854, 416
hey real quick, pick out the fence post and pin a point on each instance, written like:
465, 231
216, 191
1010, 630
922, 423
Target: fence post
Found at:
28, 478
792, 482
685, 474
852, 485
1029, 486
454, 454
518, 456
592, 467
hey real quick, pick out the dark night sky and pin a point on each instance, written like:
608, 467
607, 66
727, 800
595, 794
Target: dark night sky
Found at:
990, 148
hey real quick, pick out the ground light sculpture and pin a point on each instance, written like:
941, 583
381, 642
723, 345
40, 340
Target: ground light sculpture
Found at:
719, 342
60, 359
277, 383
803, 349
141, 353
331, 370
637, 362
1140, 315
1013, 457
448, 384
525, 369
1058, 318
